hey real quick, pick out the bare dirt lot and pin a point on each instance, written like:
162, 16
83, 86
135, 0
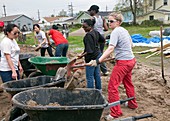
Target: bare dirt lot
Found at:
153, 96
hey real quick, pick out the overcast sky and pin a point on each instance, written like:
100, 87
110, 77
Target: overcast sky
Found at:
49, 7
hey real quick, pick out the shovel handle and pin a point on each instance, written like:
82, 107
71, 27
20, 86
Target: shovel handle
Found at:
142, 116
108, 59
75, 58
83, 65
52, 47
82, 55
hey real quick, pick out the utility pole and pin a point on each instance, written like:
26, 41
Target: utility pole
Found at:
70, 8
4, 10
38, 14
106, 8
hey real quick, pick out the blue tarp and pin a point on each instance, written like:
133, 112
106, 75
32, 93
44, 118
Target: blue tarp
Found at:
138, 38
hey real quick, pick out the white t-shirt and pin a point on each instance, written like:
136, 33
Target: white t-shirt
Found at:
10, 47
41, 36
1, 37
98, 26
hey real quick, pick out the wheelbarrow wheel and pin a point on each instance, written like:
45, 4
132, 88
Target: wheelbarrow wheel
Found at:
34, 74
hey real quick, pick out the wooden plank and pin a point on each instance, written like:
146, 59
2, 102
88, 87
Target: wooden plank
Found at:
146, 51
151, 54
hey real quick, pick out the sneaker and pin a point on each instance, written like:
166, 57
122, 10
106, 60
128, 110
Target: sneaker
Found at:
109, 118
105, 74
126, 104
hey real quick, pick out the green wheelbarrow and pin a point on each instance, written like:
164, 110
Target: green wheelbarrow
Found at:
49, 65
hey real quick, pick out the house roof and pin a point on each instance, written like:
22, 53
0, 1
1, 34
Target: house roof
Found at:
158, 11
12, 17
51, 19
105, 13
81, 13
165, 11
101, 13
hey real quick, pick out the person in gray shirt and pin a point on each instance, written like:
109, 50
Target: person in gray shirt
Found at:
121, 44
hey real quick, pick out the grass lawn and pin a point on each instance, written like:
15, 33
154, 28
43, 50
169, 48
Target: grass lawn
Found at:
76, 42
144, 31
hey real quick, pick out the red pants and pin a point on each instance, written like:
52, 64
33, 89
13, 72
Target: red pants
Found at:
121, 72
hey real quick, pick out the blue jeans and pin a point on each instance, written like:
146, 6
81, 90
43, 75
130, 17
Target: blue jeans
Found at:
7, 76
61, 50
93, 74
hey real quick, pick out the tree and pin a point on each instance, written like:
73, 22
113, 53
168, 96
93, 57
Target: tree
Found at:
135, 7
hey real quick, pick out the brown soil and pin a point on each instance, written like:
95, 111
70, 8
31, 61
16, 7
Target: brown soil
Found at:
33, 103
152, 95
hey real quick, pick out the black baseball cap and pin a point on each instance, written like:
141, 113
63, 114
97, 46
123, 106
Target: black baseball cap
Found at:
94, 7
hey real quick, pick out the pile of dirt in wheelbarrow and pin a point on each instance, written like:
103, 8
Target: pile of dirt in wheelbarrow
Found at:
151, 93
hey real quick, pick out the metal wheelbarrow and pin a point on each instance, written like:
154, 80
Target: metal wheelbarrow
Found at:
81, 104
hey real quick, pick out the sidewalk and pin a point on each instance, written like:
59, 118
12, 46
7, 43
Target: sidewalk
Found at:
81, 32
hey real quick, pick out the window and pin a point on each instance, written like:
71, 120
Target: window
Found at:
151, 17
165, 2
82, 20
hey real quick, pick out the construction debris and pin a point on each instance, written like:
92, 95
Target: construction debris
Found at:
156, 51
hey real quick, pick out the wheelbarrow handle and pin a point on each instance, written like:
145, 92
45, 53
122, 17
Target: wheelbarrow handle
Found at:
20, 118
109, 105
123, 101
142, 116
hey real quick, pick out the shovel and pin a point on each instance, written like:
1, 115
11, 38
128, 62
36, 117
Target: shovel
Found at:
72, 83
71, 63
37, 48
134, 118
162, 62
52, 47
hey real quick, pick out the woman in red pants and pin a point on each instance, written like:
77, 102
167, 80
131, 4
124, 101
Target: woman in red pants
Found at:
121, 44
